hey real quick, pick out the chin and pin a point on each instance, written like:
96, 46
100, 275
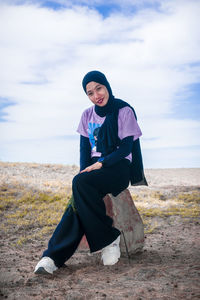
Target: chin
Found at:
103, 104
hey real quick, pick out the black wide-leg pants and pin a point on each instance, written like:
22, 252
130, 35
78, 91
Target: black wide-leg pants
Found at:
90, 217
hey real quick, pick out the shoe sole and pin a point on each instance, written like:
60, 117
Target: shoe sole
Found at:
42, 271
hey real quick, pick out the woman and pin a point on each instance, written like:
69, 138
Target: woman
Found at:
110, 157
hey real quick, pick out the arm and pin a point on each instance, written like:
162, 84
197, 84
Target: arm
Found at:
124, 150
85, 152
111, 159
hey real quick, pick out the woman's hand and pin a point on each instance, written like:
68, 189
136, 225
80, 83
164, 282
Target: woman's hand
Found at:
95, 166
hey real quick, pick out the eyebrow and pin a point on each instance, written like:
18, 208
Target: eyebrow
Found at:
89, 91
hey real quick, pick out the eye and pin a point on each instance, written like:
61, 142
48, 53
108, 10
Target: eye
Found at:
90, 94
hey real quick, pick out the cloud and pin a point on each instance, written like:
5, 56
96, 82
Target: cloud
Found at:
85, 2
150, 58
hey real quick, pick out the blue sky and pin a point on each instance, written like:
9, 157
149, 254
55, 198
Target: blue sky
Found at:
149, 51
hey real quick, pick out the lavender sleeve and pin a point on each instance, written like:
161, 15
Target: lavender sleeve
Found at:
127, 124
128, 131
82, 127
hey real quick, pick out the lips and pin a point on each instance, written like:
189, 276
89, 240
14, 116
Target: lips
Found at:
100, 101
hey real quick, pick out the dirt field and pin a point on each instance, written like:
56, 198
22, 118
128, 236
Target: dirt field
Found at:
33, 198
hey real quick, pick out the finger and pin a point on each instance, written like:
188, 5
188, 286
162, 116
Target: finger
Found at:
86, 170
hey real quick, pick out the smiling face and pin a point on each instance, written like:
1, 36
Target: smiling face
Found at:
97, 93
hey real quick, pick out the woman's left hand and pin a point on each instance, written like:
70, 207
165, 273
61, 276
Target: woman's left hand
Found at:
95, 166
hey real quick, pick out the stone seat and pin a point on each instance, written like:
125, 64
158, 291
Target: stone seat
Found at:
127, 219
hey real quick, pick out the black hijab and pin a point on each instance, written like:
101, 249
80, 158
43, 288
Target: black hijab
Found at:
99, 77
108, 139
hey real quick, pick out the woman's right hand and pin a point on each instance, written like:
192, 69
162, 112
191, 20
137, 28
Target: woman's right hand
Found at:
95, 166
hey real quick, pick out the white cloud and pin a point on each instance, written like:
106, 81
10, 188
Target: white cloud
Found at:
67, 3
170, 133
149, 58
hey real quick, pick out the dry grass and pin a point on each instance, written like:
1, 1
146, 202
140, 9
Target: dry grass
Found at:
28, 211
33, 214
156, 204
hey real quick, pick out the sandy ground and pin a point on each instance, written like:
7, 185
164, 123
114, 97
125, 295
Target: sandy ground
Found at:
167, 268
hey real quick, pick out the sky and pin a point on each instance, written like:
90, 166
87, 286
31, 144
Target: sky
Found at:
148, 49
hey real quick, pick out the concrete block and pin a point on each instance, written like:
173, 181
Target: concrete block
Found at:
127, 219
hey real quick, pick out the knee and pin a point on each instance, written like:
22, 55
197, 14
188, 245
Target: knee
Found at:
78, 179
75, 180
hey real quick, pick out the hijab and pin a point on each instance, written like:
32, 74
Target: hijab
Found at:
99, 77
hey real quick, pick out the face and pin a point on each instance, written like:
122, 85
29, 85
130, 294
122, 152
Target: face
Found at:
97, 93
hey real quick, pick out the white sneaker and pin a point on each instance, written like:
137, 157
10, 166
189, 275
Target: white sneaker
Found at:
45, 266
111, 253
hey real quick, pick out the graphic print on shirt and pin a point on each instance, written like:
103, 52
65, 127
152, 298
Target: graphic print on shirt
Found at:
93, 131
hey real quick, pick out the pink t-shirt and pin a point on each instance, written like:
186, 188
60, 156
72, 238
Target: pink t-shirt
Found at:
90, 124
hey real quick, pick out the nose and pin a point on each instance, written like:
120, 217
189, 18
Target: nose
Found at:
96, 94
